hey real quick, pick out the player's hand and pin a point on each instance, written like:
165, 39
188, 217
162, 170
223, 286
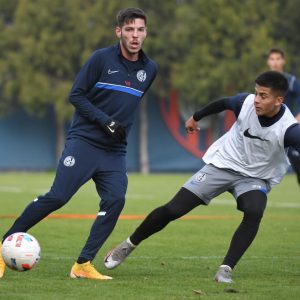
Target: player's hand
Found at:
116, 131
191, 126
298, 118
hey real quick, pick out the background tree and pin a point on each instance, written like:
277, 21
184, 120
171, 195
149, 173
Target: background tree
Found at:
48, 42
160, 24
220, 46
7, 44
286, 33
204, 49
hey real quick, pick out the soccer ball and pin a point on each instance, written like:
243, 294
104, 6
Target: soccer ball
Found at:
21, 251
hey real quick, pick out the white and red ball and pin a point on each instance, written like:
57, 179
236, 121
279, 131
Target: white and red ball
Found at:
21, 251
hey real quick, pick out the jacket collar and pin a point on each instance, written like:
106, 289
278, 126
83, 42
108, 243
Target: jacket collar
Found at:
142, 56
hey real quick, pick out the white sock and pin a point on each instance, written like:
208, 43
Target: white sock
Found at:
226, 266
129, 242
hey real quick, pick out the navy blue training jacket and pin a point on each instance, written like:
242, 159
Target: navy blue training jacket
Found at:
108, 87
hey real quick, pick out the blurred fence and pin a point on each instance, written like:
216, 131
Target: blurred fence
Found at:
28, 143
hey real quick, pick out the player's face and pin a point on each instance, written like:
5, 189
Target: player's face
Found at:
276, 62
132, 36
267, 102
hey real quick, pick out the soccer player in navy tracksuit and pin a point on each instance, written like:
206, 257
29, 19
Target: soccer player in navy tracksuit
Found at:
106, 95
276, 62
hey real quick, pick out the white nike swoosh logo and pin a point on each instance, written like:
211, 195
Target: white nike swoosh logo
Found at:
111, 130
112, 72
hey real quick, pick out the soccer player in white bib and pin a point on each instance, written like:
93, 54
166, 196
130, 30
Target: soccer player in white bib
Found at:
247, 161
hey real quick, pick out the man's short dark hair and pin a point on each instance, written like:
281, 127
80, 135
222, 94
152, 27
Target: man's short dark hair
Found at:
127, 15
276, 81
276, 50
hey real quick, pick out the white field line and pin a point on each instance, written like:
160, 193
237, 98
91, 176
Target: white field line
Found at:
15, 189
212, 257
222, 202
41, 191
231, 202
10, 189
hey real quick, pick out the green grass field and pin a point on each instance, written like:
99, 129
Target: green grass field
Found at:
169, 265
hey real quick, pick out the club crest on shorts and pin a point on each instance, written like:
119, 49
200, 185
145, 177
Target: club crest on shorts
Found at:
69, 161
141, 75
200, 177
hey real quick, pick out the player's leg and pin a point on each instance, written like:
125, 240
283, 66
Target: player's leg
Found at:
73, 171
111, 187
253, 204
294, 157
199, 189
183, 202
